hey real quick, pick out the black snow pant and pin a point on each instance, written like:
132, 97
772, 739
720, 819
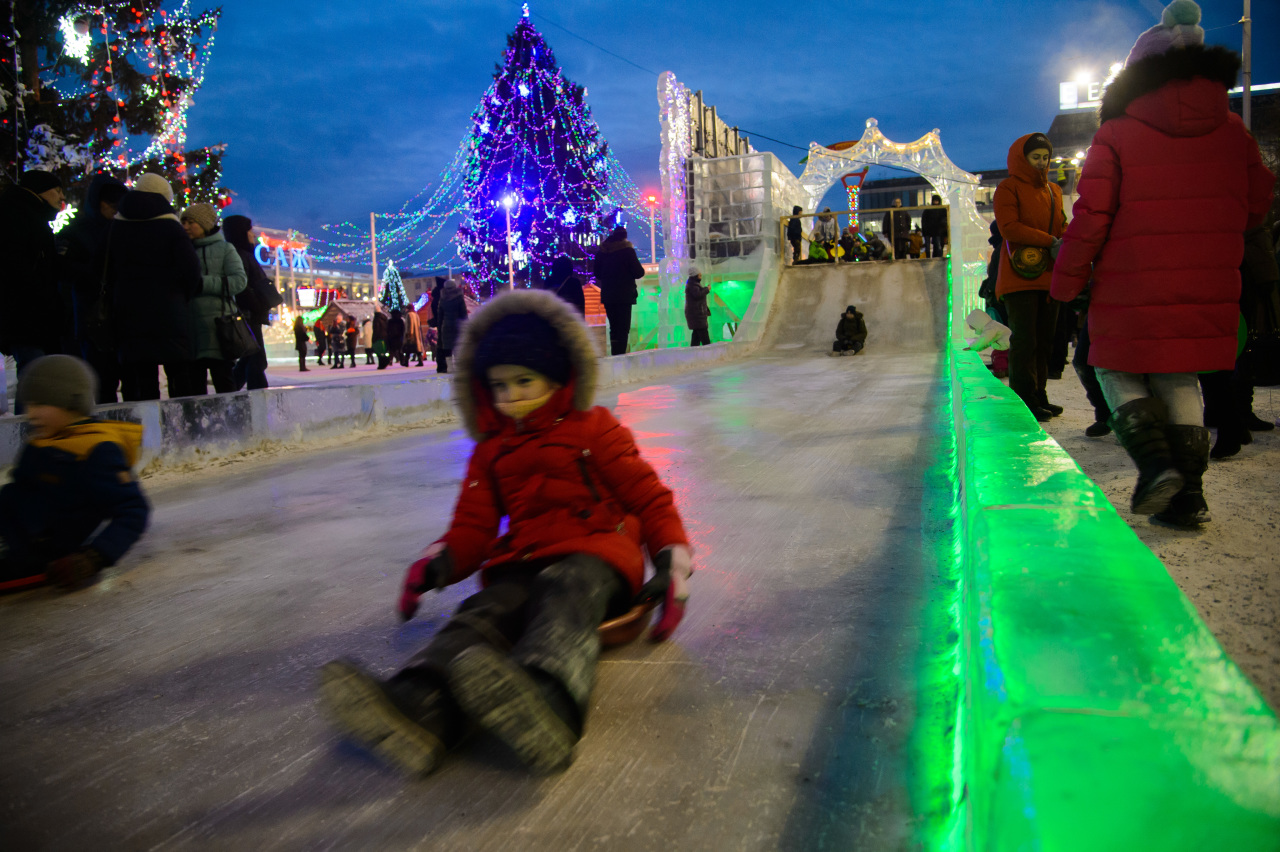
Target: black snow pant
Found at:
543, 618
843, 345
442, 360
700, 337
619, 327
1089, 376
1032, 318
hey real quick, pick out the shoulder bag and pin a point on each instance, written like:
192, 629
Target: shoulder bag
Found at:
1031, 262
235, 338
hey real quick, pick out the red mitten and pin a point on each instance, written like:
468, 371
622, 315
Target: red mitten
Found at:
433, 570
673, 604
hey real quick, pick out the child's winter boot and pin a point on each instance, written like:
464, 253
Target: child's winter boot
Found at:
531, 717
407, 721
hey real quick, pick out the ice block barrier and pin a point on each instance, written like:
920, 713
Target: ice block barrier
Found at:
201, 429
1099, 712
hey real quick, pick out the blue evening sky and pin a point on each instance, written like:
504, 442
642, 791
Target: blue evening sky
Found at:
331, 109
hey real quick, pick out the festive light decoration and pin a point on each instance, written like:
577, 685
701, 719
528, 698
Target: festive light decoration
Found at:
853, 187
532, 139
123, 75
394, 297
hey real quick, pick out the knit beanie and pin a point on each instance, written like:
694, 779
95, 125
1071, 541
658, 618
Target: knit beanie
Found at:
524, 340
111, 192
59, 380
39, 181
1179, 27
154, 183
1037, 140
203, 215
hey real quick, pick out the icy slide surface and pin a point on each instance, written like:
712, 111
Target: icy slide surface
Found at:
173, 706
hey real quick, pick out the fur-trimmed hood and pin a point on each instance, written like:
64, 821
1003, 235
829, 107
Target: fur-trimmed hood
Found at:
1216, 65
470, 394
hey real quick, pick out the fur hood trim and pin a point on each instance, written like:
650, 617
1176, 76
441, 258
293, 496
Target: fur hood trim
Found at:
1152, 72
469, 394
613, 245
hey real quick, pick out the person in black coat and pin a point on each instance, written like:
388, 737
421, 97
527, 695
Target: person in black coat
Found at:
795, 232
453, 310
256, 301
566, 285
300, 341
152, 272
933, 226
28, 288
80, 283
380, 339
395, 334
897, 223
617, 269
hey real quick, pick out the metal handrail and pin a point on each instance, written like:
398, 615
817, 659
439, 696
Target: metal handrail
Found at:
860, 212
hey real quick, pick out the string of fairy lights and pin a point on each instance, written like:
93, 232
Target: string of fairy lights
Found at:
174, 46
534, 152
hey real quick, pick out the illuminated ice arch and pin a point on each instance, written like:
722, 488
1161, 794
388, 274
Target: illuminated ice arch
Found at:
925, 157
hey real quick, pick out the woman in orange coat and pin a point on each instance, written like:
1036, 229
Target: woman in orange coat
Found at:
1030, 215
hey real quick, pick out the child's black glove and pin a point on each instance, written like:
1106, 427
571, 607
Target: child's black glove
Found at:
434, 570
669, 584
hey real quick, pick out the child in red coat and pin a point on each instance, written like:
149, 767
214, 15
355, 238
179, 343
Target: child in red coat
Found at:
519, 656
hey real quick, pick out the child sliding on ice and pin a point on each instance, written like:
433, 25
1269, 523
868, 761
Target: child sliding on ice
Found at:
519, 656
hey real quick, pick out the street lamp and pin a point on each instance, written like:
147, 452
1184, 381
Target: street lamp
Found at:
507, 201
653, 234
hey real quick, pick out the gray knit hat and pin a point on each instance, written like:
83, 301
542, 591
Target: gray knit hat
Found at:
1179, 26
59, 380
203, 215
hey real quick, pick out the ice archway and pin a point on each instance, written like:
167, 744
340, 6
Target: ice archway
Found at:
925, 157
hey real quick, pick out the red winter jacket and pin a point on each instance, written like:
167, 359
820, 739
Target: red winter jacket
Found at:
569, 479
1170, 185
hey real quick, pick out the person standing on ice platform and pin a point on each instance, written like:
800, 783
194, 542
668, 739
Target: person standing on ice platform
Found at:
519, 656
617, 269
300, 341
1165, 260
1029, 212
697, 314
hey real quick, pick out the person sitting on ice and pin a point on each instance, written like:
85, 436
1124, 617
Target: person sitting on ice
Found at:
73, 476
519, 656
851, 333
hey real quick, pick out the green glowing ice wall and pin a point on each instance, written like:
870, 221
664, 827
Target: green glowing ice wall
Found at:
728, 301
1093, 708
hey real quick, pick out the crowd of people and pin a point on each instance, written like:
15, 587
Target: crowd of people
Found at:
898, 238
1159, 297
131, 287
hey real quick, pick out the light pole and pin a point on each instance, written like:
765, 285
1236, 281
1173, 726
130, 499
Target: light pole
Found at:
507, 201
653, 233
1246, 111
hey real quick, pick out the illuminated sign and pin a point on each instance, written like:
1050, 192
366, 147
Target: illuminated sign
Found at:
1076, 95
293, 259
306, 297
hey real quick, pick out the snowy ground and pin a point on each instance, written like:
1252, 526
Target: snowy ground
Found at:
1231, 569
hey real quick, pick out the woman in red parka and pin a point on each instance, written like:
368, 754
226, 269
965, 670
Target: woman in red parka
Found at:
1029, 213
518, 658
1170, 185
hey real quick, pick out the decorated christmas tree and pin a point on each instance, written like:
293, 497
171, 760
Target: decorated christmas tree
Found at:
107, 87
393, 295
537, 161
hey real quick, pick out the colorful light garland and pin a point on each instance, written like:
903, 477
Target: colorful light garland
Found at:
165, 54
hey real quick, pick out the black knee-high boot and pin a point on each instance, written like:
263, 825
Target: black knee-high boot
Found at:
1140, 427
1189, 446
